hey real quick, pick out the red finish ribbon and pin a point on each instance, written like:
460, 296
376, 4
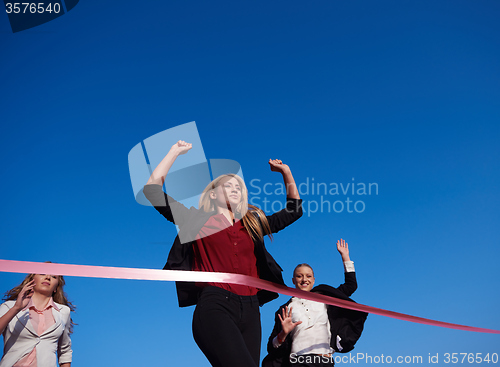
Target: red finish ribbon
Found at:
212, 277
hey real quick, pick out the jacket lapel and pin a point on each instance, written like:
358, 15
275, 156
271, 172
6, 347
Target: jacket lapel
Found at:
24, 319
57, 319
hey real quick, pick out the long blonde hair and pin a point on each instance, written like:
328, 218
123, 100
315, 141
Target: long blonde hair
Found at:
251, 216
59, 295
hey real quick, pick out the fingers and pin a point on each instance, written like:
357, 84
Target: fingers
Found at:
26, 292
283, 312
28, 286
275, 161
342, 244
286, 312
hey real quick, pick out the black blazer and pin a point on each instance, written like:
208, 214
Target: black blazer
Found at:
348, 324
190, 222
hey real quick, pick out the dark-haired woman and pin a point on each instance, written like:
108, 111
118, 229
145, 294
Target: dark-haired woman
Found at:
36, 324
225, 234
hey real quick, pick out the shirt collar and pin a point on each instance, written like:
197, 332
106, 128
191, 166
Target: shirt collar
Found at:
221, 218
50, 304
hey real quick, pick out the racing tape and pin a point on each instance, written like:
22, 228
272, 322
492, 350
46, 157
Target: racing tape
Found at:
89, 271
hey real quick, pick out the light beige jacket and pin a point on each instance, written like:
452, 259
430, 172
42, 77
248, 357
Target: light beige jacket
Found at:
20, 338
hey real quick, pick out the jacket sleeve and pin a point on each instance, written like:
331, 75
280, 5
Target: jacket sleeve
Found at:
3, 310
276, 330
64, 351
284, 348
171, 209
350, 284
286, 216
277, 357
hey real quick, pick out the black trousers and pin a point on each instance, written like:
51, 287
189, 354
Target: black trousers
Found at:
227, 328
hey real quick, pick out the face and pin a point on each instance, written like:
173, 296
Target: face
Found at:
228, 192
303, 278
45, 284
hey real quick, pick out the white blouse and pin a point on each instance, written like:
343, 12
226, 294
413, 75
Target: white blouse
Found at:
313, 335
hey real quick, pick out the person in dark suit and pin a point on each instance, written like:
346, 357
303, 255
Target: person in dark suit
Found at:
307, 333
225, 234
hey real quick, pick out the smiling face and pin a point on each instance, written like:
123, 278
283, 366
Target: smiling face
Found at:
303, 278
45, 284
227, 194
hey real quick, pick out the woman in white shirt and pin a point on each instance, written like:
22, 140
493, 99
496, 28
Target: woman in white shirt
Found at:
307, 333
36, 323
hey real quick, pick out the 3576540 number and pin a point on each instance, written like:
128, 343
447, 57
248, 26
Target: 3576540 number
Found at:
32, 8
470, 358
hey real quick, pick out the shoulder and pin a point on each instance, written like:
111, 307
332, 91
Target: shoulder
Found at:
321, 287
8, 304
324, 289
256, 213
65, 310
330, 291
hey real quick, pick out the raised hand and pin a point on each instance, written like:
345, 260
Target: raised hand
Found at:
278, 166
343, 250
23, 298
181, 147
158, 175
286, 321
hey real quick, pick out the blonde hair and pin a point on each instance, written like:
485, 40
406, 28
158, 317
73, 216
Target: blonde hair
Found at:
301, 265
254, 219
59, 296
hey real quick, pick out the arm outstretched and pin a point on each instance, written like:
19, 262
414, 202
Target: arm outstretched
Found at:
291, 188
160, 172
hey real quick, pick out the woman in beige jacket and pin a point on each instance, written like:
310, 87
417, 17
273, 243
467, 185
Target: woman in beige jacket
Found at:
36, 323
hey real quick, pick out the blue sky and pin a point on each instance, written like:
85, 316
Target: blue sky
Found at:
401, 94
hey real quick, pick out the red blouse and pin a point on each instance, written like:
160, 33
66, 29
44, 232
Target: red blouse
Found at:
226, 248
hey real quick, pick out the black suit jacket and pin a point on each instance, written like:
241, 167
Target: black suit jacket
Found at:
190, 222
345, 323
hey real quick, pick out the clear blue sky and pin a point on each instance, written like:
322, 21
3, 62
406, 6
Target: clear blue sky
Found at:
404, 94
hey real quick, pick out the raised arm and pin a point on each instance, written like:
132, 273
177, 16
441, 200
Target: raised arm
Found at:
21, 302
343, 250
350, 284
293, 209
160, 172
291, 188
153, 191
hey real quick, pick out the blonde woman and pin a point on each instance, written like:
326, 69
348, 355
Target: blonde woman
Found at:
307, 333
36, 324
224, 235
